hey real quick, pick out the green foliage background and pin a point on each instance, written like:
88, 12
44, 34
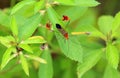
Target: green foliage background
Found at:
23, 33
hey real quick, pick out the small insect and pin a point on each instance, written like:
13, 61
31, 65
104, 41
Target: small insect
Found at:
48, 26
62, 31
65, 35
71, 45
65, 18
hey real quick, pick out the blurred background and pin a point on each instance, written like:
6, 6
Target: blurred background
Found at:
109, 7
63, 67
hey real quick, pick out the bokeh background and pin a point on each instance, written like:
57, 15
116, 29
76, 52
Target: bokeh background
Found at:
63, 67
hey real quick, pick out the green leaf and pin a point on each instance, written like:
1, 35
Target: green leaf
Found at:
85, 3
92, 41
36, 58
112, 55
117, 41
4, 19
29, 26
66, 2
88, 25
26, 47
93, 31
90, 59
24, 63
46, 70
105, 24
6, 57
14, 26
7, 61
34, 39
7, 41
21, 5
116, 22
71, 47
78, 11
39, 5
110, 72
53, 16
